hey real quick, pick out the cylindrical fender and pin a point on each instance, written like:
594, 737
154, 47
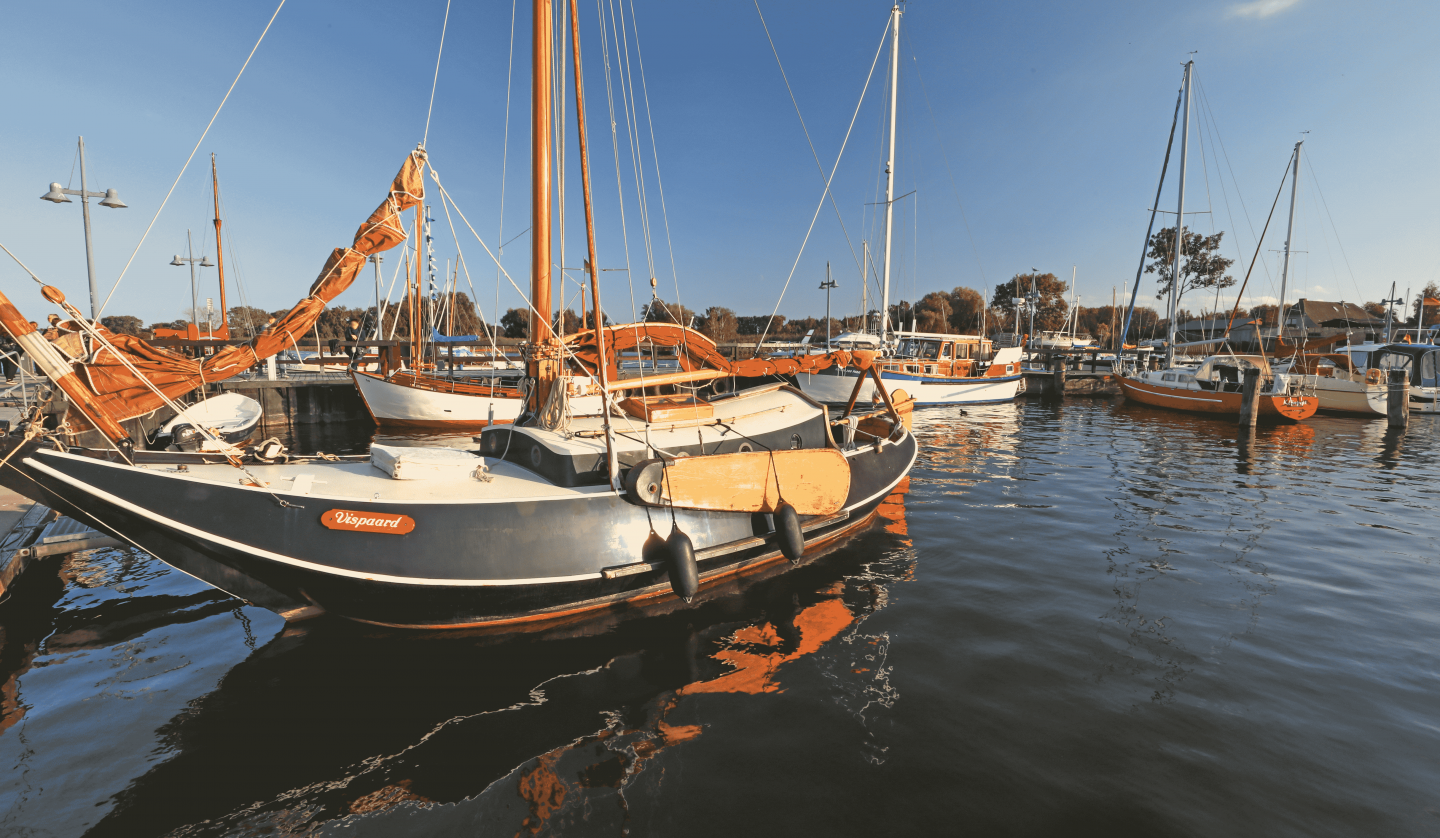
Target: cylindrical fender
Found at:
787, 527
680, 562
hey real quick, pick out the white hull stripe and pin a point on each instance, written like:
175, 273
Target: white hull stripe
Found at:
266, 554
335, 571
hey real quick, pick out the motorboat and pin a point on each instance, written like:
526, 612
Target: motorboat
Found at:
217, 423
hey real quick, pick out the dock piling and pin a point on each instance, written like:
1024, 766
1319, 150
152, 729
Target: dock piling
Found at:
1399, 399
1250, 399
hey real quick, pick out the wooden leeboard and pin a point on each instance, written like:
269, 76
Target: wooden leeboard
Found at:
814, 481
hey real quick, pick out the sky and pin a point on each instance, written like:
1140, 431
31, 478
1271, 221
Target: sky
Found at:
1030, 136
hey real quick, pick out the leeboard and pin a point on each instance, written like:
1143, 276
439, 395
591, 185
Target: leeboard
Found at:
814, 481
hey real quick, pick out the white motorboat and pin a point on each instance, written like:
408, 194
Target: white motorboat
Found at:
230, 418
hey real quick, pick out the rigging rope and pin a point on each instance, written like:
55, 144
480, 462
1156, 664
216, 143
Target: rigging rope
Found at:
187, 161
818, 166
436, 81
655, 154
1154, 210
615, 146
824, 194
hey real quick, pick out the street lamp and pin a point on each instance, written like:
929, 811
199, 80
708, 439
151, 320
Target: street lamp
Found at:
826, 286
56, 195
204, 261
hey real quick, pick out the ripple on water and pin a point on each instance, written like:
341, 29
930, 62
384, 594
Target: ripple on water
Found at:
1080, 617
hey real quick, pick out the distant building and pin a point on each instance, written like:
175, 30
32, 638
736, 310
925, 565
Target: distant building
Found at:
1314, 318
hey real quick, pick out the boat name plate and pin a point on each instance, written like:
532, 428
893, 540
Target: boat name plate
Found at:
345, 519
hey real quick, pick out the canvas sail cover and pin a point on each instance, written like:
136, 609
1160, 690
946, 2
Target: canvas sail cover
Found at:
697, 352
124, 396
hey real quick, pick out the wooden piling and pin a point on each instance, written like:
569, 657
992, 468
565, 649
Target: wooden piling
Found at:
1057, 385
1250, 399
1399, 399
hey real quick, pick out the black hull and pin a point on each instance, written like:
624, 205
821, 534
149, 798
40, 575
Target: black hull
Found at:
465, 564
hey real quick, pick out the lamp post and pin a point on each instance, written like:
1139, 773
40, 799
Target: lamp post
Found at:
205, 262
56, 195
826, 286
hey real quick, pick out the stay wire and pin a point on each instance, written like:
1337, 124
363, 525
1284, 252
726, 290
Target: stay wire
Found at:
436, 81
1336, 230
203, 134
819, 167
813, 218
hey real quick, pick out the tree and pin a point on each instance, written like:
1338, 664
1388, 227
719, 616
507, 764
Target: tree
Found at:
900, 314
572, 322
1202, 266
966, 306
932, 313
1267, 314
1374, 309
246, 321
1426, 315
756, 325
123, 324
719, 324
1051, 310
659, 311
516, 323
207, 318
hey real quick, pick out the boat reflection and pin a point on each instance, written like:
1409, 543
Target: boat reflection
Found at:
336, 722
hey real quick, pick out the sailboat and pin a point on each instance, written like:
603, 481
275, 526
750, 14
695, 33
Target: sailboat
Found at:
935, 368
661, 495
1215, 385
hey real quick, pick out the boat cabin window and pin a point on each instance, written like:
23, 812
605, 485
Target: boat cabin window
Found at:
1427, 370
948, 351
1397, 361
1169, 376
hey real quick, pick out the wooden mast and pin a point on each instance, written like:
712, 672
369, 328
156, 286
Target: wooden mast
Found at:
543, 364
219, 251
602, 370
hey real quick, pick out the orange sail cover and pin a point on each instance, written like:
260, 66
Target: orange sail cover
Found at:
697, 352
123, 396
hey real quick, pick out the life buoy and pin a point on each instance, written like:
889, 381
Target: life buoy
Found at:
787, 527
680, 562
1372, 376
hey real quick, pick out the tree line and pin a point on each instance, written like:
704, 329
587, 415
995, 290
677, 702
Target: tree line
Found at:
960, 310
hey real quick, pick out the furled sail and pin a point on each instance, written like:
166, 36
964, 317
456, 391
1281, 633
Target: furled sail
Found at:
119, 394
697, 352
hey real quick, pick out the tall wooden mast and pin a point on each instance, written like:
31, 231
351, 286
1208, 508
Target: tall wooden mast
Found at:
543, 366
219, 251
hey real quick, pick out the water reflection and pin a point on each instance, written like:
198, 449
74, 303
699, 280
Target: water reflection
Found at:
328, 723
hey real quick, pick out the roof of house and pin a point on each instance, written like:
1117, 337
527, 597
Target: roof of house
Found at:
1337, 314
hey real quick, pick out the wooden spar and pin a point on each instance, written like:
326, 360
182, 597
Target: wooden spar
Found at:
667, 378
542, 365
219, 251
602, 371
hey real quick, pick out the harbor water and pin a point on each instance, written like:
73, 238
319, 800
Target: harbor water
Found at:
1088, 618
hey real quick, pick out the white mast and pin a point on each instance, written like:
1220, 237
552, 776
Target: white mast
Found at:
1074, 312
890, 166
1179, 225
1289, 236
865, 287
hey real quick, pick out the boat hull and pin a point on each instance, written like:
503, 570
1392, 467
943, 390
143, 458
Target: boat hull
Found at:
1356, 398
463, 564
835, 387
398, 405
1272, 408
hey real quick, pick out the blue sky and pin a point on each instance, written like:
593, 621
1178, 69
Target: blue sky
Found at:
1051, 117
